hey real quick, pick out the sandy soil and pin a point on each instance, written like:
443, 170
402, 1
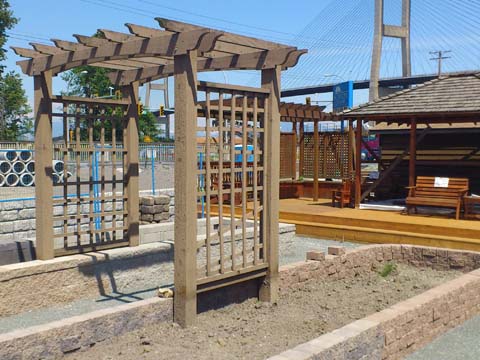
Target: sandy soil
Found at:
254, 330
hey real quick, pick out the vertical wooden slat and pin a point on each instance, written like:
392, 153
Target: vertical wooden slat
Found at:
65, 187
208, 180
131, 93
102, 174
413, 152
91, 155
43, 165
185, 273
294, 151
232, 180
77, 171
255, 182
358, 162
271, 81
316, 150
220, 180
244, 179
302, 150
114, 175
264, 216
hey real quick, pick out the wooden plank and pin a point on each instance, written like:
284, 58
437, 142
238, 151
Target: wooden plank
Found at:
412, 152
221, 155
203, 85
130, 92
185, 274
232, 178
43, 165
271, 80
208, 179
358, 162
244, 179
316, 154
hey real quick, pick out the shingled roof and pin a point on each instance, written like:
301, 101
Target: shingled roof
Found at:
446, 96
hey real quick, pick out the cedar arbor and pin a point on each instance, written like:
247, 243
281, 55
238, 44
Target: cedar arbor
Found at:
104, 213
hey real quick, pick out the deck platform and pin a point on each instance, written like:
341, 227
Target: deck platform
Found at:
320, 219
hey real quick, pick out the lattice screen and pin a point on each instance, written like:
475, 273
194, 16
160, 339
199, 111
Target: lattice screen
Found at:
334, 156
287, 153
231, 177
90, 209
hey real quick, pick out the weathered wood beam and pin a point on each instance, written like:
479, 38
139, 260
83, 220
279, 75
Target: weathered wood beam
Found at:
25, 52
173, 44
253, 61
46, 49
179, 27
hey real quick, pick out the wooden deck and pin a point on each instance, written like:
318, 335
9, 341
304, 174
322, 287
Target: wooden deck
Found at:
319, 219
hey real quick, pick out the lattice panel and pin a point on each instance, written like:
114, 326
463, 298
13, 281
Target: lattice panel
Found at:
334, 156
89, 195
288, 151
231, 178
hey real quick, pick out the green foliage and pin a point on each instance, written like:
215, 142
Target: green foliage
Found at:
7, 21
87, 81
147, 126
388, 269
14, 108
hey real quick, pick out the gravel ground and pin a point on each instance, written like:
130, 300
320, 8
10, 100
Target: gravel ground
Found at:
292, 249
461, 343
252, 330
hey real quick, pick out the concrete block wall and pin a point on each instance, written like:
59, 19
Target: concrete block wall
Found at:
17, 218
157, 209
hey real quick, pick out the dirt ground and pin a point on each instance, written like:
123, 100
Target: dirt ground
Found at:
253, 330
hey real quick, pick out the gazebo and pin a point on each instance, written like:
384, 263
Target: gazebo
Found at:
447, 100
94, 214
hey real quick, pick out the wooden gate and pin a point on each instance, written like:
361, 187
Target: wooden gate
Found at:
90, 209
233, 127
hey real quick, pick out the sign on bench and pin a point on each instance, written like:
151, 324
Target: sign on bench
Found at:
441, 182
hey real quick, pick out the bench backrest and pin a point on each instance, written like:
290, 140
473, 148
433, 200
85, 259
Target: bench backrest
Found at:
425, 187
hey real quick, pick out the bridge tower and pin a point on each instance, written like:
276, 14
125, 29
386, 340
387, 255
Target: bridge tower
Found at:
382, 30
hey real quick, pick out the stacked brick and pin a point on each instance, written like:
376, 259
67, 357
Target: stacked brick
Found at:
155, 209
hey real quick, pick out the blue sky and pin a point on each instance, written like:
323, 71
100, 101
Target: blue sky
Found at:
338, 33
46, 19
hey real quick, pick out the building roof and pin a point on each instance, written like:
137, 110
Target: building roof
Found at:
384, 127
146, 54
444, 97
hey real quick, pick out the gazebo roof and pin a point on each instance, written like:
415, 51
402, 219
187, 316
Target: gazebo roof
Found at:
146, 54
453, 97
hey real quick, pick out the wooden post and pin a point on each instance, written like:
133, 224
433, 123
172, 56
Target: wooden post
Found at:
294, 152
358, 162
43, 166
351, 150
315, 159
302, 150
271, 80
413, 152
185, 274
131, 93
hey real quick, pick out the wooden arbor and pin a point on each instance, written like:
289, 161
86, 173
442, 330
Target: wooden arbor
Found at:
180, 50
452, 99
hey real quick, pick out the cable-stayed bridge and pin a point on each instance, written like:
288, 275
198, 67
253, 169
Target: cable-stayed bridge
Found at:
341, 43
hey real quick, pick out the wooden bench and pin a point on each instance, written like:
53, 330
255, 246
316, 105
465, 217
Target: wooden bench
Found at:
343, 195
431, 191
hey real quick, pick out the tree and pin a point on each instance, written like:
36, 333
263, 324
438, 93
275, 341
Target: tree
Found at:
14, 108
7, 21
91, 81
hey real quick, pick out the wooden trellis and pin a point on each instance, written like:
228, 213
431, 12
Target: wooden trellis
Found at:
93, 205
334, 156
180, 50
229, 254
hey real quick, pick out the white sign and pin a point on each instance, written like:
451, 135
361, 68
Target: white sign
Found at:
441, 182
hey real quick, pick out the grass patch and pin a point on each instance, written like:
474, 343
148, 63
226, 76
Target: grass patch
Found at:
388, 269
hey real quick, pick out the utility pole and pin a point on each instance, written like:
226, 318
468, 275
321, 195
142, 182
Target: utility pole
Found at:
440, 56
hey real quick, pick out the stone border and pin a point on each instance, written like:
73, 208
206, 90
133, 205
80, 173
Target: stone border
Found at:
404, 327
389, 334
